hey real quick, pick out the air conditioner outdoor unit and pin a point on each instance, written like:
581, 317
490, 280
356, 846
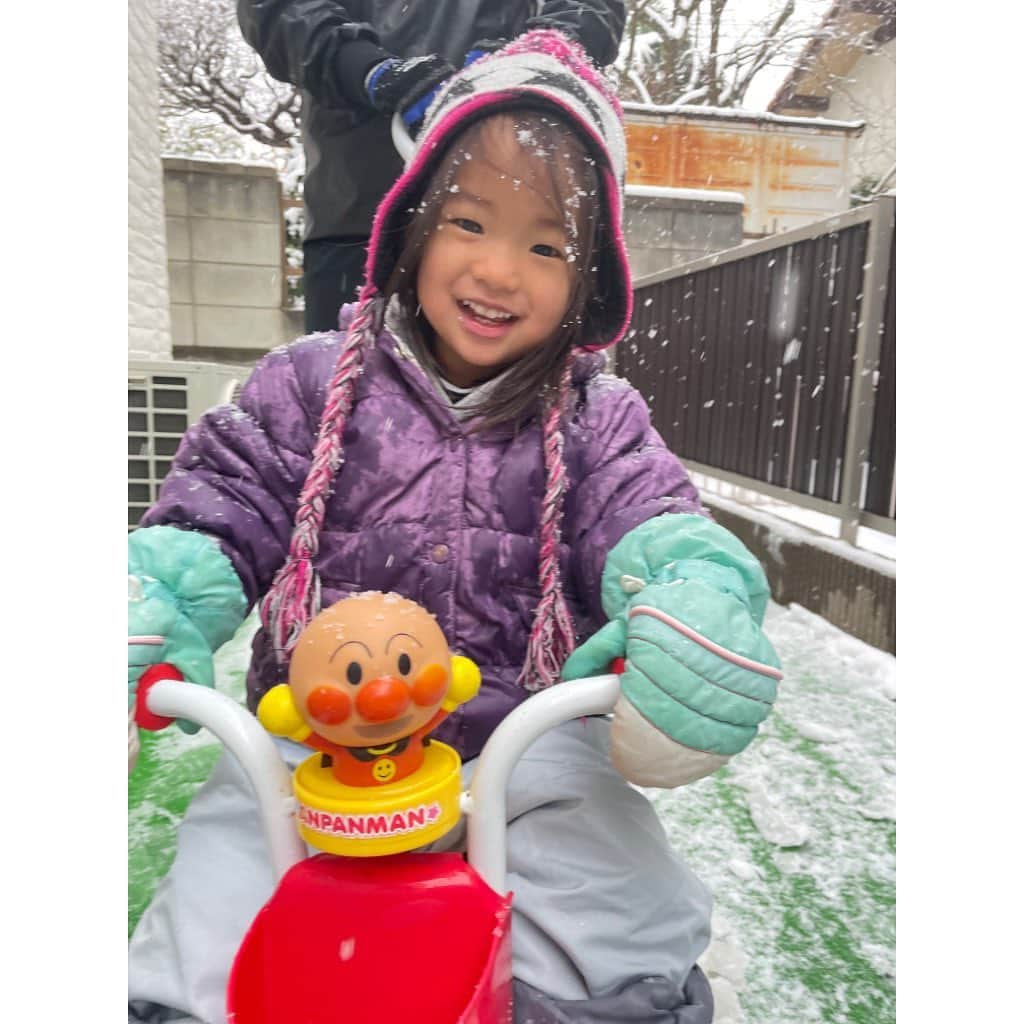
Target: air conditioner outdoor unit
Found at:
164, 399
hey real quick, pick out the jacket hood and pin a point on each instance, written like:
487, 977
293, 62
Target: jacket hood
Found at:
540, 70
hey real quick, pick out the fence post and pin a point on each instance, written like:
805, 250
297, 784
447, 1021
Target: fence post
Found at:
861, 413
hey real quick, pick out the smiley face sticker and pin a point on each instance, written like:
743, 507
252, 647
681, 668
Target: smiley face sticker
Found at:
384, 769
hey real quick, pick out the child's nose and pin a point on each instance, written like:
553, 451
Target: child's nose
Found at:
382, 699
497, 268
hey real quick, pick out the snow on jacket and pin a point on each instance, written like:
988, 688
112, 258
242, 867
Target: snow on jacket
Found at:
326, 48
421, 506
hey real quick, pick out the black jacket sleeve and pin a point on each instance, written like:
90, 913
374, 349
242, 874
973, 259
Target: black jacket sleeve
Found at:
595, 24
300, 42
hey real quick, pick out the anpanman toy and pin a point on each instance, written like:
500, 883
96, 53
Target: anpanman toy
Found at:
370, 678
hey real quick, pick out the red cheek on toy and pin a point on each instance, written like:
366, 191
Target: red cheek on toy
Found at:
430, 686
329, 705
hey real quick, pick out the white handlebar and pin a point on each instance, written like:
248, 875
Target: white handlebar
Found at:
242, 734
488, 792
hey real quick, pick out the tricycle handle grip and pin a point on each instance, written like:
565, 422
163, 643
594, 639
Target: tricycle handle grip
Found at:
145, 717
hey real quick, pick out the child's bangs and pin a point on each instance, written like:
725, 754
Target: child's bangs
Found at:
548, 156
535, 146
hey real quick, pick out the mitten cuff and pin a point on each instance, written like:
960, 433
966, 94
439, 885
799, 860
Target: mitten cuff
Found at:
645, 756
361, 56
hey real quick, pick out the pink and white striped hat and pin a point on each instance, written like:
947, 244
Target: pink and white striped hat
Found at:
540, 70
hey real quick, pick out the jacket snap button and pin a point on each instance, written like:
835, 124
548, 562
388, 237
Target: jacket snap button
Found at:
440, 553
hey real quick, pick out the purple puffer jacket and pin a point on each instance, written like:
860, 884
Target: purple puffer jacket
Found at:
420, 506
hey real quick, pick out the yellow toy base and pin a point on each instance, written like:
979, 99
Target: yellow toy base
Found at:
365, 821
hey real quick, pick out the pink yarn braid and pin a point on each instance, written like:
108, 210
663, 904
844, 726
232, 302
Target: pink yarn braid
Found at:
552, 636
294, 596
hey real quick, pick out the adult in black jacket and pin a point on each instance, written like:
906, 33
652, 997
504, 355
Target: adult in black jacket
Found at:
358, 63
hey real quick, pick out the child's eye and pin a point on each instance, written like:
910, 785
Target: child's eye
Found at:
547, 250
467, 225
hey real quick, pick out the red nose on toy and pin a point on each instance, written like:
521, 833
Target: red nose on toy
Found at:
382, 699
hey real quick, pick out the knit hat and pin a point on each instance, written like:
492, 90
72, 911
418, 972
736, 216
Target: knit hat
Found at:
544, 71
540, 70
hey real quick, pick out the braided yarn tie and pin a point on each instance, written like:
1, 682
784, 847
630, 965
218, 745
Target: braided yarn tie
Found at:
294, 597
552, 636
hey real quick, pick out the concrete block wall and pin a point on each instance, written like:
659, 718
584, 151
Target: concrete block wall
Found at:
666, 227
149, 328
225, 237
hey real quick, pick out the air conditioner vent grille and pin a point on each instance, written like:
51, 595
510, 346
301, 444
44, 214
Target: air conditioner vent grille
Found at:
162, 402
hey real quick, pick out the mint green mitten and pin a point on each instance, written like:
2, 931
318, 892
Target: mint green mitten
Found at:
685, 601
184, 601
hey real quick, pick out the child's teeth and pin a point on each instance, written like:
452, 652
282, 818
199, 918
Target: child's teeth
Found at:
491, 314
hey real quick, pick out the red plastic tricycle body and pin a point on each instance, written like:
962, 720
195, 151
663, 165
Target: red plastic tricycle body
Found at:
412, 937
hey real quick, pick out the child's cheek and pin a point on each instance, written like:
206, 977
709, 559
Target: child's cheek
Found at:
329, 705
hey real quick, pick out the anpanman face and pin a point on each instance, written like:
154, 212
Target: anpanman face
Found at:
370, 670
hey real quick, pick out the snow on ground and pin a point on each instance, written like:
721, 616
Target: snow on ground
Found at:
795, 837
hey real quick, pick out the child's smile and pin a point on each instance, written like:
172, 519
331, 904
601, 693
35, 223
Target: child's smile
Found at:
486, 320
496, 276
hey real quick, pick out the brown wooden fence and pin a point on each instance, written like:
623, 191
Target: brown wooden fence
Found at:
772, 365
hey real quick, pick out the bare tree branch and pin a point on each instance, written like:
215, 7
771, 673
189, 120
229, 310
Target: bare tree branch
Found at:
698, 51
207, 68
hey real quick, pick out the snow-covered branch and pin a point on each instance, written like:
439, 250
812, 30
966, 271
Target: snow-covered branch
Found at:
207, 70
645, 96
709, 51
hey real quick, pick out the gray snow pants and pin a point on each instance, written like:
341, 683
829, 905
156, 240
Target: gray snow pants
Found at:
607, 925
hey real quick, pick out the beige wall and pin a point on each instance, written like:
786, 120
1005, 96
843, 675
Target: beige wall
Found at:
669, 227
149, 335
868, 93
225, 236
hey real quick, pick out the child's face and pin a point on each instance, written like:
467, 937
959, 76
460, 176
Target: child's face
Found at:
495, 279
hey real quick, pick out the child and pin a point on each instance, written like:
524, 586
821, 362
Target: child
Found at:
455, 442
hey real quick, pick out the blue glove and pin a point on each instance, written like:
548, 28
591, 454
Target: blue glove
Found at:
411, 85
184, 601
685, 601
407, 85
